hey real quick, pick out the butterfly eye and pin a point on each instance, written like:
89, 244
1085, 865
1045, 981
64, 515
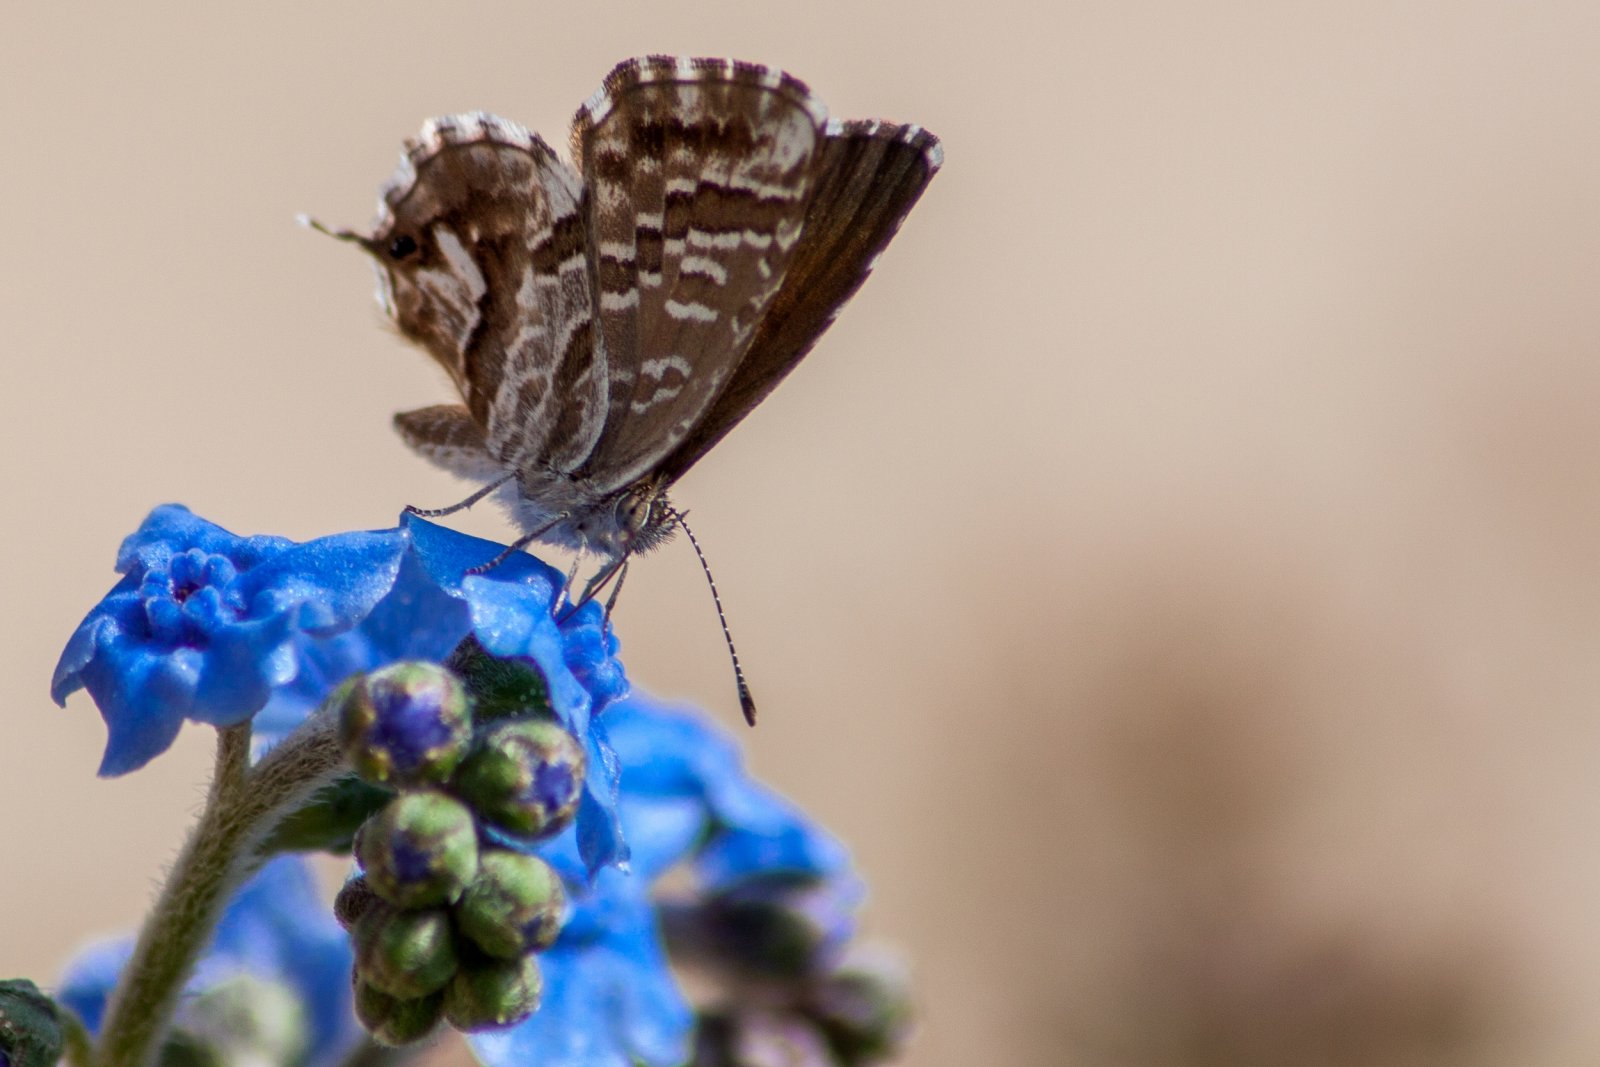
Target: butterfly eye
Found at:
402, 246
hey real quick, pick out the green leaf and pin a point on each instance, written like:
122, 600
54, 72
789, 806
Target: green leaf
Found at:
329, 820
500, 688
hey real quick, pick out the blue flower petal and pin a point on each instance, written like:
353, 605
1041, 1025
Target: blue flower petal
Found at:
90, 978
204, 624
416, 619
608, 1002
678, 753
598, 828
278, 926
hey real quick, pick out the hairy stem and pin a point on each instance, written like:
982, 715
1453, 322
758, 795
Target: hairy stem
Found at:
78, 1050
243, 806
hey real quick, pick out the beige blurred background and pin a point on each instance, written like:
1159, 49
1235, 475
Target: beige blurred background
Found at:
1177, 576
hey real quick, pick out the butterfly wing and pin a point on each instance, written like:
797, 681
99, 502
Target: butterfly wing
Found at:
447, 436
869, 176
697, 176
482, 256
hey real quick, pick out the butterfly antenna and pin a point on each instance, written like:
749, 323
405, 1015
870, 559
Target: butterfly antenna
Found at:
747, 703
338, 235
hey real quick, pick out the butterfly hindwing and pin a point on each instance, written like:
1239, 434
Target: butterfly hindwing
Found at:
447, 436
697, 176
482, 247
869, 176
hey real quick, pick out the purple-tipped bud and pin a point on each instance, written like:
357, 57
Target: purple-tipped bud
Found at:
420, 850
406, 954
488, 994
514, 906
524, 776
407, 724
395, 1022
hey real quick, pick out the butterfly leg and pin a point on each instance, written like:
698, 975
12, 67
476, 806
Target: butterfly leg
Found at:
572, 577
434, 513
516, 546
591, 589
611, 601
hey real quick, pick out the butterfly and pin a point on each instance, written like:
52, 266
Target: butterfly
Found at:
607, 322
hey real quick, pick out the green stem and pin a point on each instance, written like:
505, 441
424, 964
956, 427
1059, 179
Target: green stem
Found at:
243, 806
78, 1048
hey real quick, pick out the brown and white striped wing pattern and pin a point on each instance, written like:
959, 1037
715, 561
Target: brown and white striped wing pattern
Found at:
698, 174
482, 254
869, 176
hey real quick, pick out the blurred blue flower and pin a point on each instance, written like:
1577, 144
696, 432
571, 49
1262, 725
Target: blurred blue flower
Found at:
684, 801
276, 932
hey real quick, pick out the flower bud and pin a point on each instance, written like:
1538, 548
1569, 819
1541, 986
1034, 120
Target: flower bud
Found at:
865, 1006
395, 1022
404, 724
774, 927
514, 906
243, 1019
420, 850
354, 898
486, 994
524, 776
405, 954
758, 1037
30, 1033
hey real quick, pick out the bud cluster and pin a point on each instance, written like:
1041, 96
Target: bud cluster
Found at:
446, 923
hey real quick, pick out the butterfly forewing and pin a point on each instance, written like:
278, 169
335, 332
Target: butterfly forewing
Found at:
698, 174
868, 177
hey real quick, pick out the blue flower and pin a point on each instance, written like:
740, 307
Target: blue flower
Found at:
216, 628
204, 623
515, 610
278, 934
684, 800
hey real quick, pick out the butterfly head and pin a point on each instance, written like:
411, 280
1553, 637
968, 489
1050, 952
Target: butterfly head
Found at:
642, 518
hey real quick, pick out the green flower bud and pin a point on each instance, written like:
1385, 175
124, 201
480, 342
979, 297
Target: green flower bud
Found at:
406, 724
30, 1030
419, 851
406, 954
486, 994
243, 1019
395, 1022
514, 906
525, 776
